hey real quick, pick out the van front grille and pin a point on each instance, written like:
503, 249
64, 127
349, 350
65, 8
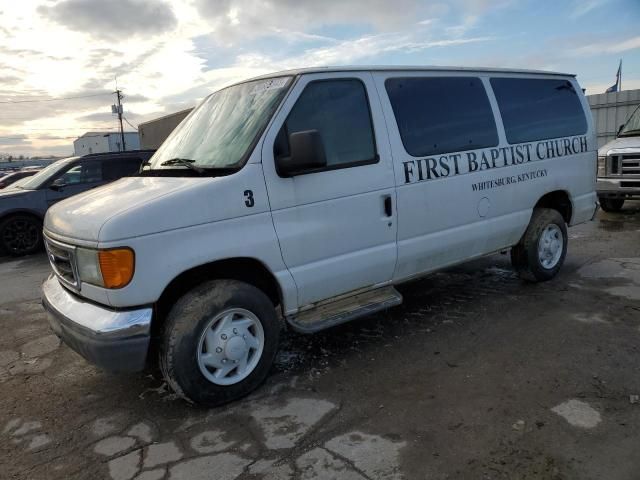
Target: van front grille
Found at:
630, 165
63, 262
625, 165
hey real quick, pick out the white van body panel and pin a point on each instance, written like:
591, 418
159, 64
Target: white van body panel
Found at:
333, 231
323, 234
83, 216
444, 221
189, 222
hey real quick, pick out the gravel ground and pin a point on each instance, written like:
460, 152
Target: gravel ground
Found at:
475, 376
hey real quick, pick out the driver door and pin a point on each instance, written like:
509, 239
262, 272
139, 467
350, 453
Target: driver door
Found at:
336, 226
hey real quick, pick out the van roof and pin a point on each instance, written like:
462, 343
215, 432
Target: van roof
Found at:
405, 68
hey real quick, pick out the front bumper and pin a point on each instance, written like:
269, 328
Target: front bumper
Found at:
114, 340
618, 188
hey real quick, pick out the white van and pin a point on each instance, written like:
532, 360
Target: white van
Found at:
302, 198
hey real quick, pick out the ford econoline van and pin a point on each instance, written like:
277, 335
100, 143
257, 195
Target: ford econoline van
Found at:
302, 198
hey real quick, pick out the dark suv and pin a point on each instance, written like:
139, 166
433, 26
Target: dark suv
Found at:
22, 208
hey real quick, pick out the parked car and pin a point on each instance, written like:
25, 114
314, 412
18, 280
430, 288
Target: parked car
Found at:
305, 197
22, 208
619, 166
12, 177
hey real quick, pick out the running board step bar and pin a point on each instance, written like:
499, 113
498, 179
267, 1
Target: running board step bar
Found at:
344, 310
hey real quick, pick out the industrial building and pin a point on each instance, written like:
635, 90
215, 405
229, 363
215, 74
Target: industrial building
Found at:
103, 142
610, 110
153, 132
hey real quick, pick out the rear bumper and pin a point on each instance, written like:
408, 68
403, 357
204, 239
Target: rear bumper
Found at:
114, 340
618, 188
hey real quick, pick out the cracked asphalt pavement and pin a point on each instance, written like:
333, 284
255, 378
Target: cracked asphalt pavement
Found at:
476, 376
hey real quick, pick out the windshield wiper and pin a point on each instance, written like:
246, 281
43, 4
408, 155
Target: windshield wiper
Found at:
187, 162
633, 131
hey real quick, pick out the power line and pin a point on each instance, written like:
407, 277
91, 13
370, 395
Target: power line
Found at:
56, 99
132, 126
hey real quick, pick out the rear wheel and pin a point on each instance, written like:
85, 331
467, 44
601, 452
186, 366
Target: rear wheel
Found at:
219, 342
540, 253
611, 204
20, 235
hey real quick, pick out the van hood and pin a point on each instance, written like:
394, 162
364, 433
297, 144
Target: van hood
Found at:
625, 144
82, 216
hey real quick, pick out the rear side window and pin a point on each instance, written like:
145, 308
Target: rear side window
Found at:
339, 110
442, 114
122, 167
537, 109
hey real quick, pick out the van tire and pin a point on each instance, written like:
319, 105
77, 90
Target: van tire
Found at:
526, 257
184, 334
20, 234
611, 204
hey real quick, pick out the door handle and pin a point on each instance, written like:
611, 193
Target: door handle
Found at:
388, 206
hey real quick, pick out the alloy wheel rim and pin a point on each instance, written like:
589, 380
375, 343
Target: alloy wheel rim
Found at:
550, 246
230, 346
20, 235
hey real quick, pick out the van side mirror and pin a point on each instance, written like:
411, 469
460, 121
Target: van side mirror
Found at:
620, 129
306, 152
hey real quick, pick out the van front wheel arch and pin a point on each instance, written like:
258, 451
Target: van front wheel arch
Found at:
541, 251
219, 342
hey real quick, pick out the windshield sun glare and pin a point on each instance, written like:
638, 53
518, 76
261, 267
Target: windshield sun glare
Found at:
221, 131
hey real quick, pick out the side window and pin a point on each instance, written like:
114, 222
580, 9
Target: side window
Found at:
122, 167
442, 114
537, 109
339, 110
88, 172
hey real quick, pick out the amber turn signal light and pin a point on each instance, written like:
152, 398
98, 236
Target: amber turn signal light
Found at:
117, 266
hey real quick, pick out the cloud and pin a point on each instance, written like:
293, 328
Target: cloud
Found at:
608, 46
13, 140
114, 18
582, 7
260, 17
359, 49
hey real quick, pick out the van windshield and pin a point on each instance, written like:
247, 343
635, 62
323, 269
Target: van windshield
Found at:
221, 132
632, 127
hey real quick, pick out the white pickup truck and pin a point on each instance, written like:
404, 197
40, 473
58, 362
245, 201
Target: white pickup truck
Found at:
302, 198
619, 166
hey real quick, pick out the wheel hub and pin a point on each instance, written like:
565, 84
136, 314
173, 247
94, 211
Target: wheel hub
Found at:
230, 346
235, 348
550, 246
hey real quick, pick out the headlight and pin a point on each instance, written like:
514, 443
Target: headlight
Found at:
112, 268
602, 166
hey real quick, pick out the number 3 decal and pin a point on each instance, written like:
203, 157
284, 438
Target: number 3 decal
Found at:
248, 196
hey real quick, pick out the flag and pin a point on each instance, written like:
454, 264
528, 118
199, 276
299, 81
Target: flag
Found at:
616, 87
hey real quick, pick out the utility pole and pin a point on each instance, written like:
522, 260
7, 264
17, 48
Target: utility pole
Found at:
119, 108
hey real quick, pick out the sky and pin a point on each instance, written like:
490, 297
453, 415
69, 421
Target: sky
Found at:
167, 56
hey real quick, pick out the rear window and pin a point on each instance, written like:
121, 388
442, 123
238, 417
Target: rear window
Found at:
537, 109
442, 114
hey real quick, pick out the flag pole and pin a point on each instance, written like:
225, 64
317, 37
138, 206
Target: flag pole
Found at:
620, 80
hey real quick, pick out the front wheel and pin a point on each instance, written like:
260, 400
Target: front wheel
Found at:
611, 204
540, 253
20, 235
219, 342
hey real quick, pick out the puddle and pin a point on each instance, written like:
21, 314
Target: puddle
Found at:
578, 413
611, 225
